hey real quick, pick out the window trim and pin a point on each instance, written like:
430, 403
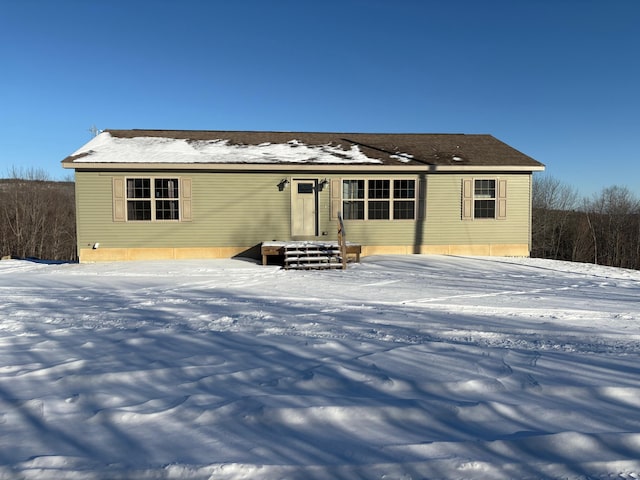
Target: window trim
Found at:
485, 192
153, 199
366, 200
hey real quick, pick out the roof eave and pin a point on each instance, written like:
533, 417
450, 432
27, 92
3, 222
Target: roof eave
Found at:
297, 166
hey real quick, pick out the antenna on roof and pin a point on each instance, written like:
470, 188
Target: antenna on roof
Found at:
95, 130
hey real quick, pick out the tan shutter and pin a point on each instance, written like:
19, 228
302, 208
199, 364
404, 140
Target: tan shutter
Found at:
336, 198
501, 214
467, 199
185, 199
422, 197
119, 200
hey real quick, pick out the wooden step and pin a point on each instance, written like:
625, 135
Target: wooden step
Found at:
330, 266
311, 256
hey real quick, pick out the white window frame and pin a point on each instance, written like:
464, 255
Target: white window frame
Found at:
485, 192
390, 200
153, 198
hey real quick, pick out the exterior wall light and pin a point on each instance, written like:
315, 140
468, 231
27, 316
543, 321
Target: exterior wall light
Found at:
283, 183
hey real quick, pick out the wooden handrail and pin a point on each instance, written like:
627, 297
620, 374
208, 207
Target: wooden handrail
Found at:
342, 241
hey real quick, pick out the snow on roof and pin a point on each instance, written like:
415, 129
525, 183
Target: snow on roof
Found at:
403, 157
106, 148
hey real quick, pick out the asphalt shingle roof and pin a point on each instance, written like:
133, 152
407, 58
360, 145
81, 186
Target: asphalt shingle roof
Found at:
411, 149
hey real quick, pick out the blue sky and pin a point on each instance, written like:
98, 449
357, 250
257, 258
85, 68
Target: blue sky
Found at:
556, 79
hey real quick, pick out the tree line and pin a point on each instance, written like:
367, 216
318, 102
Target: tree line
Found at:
603, 229
37, 217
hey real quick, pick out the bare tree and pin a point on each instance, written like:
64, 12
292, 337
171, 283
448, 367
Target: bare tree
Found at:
37, 216
553, 203
613, 217
603, 229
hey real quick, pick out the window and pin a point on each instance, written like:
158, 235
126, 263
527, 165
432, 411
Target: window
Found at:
484, 198
353, 199
305, 188
404, 194
159, 203
379, 199
139, 199
378, 205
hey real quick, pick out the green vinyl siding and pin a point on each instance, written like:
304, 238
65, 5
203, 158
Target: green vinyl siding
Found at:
243, 209
238, 209
444, 224
228, 209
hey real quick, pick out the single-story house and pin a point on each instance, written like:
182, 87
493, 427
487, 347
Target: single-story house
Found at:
174, 194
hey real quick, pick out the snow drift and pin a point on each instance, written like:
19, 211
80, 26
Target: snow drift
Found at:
399, 367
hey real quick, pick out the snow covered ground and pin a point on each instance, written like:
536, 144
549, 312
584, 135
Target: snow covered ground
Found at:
401, 367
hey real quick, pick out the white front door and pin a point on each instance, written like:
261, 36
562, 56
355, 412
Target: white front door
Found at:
303, 207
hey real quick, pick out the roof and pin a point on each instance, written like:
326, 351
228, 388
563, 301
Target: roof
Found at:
213, 149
